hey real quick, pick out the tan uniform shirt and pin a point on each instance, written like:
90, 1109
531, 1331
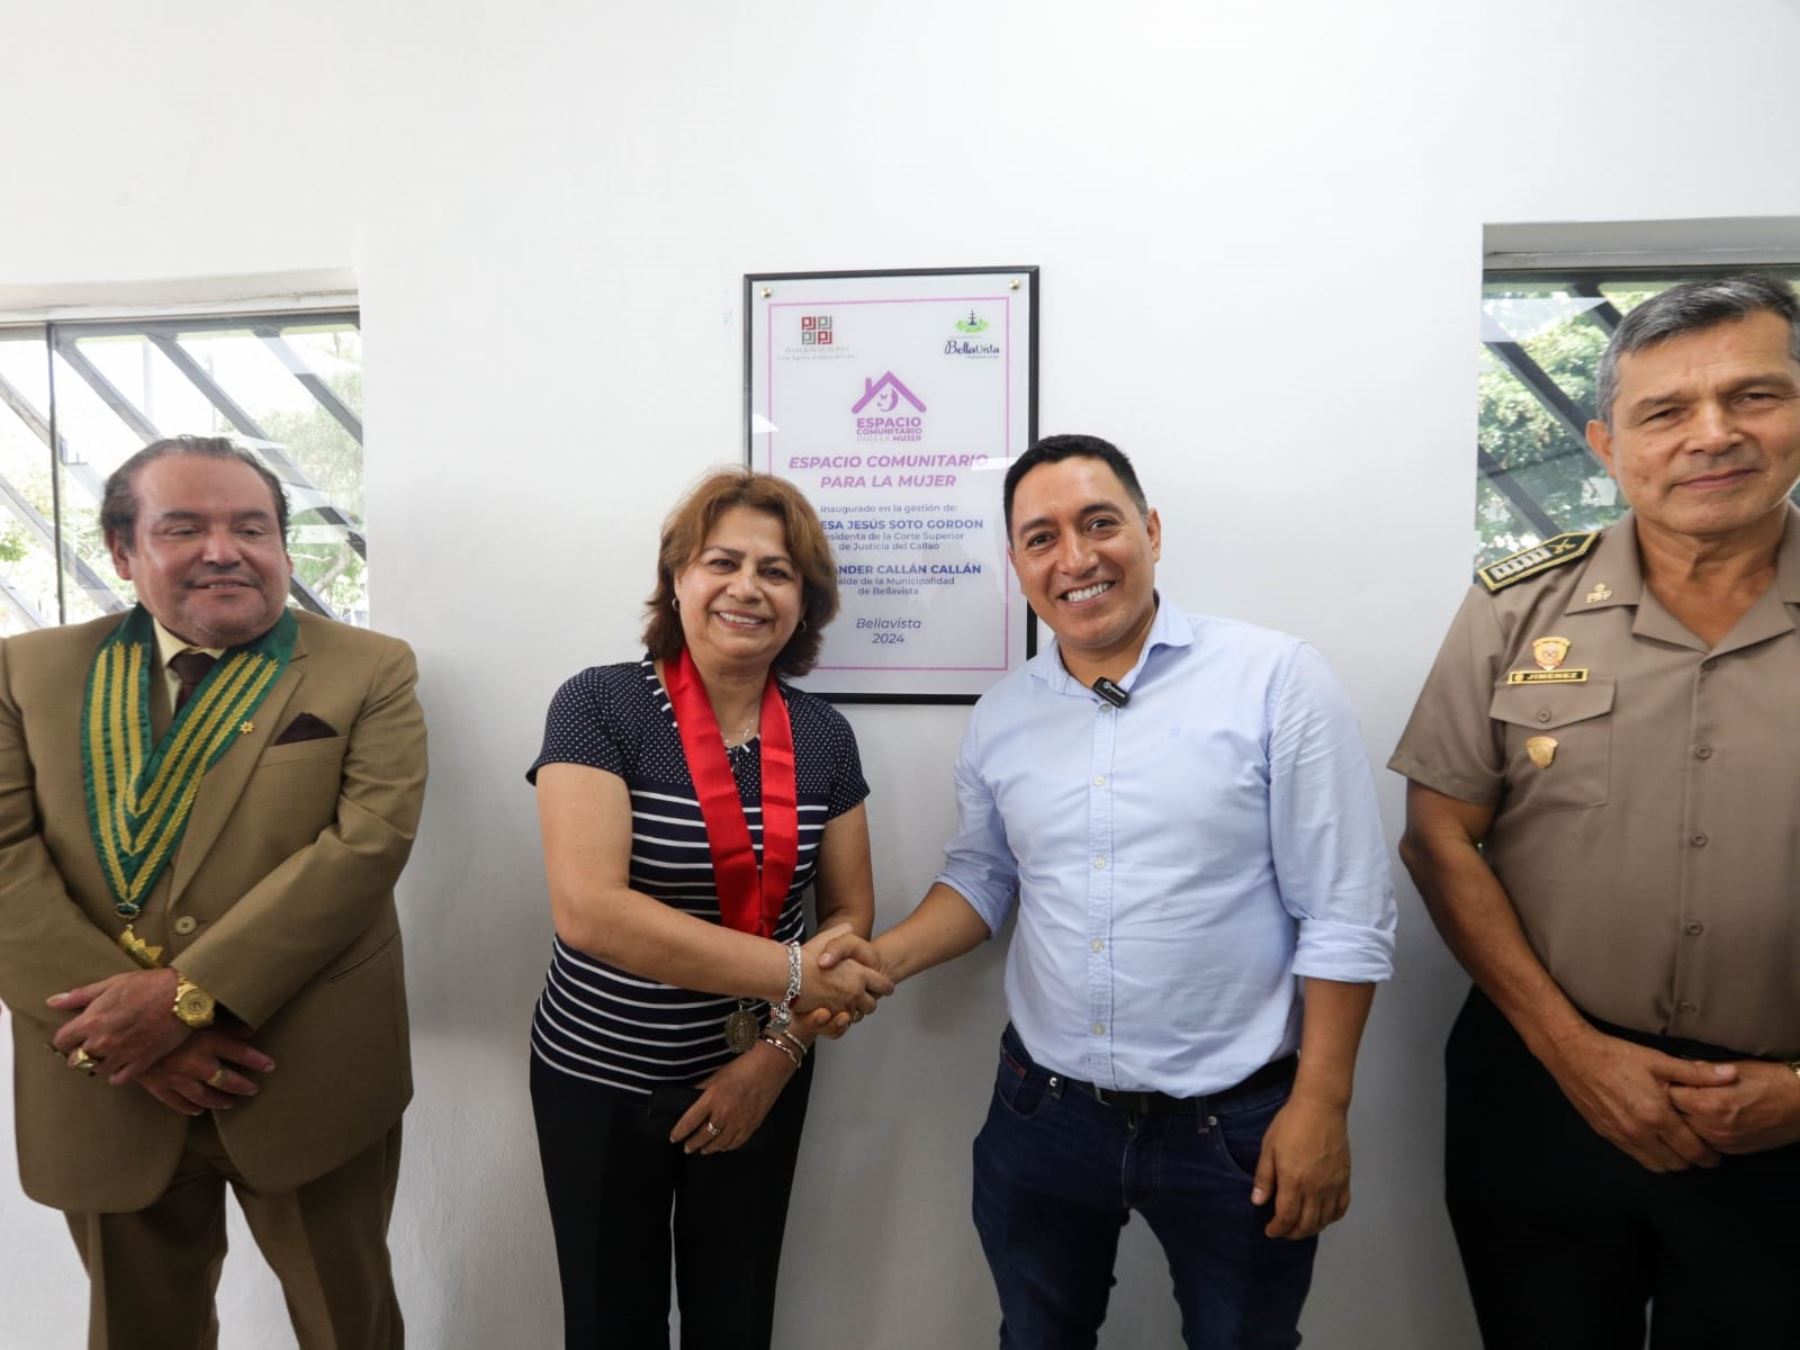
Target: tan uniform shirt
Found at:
1652, 845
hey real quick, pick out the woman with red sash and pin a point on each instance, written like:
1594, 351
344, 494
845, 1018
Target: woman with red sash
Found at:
688, 801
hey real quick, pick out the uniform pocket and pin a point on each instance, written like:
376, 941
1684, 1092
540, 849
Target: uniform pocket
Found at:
1558, 740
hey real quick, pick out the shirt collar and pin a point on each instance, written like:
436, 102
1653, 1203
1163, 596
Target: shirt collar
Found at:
1614, 575
1787, 561
168, 645
1170, 628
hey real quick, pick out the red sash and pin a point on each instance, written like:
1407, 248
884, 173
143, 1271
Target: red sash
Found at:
743, 904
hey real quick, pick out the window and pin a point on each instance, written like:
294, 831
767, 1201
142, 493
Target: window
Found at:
77, 399
1542, 336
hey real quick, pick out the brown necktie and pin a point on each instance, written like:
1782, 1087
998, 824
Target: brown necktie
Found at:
190, 668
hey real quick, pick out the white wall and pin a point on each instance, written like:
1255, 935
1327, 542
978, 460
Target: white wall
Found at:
1260, 229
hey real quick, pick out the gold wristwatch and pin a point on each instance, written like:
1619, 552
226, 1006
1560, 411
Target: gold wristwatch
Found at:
193, 1004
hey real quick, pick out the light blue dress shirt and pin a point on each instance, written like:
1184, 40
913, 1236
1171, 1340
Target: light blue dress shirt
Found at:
1179, 862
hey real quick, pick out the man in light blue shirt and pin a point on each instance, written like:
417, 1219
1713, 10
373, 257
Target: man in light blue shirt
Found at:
1183, 808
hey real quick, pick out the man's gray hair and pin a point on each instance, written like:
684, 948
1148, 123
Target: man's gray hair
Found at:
1688, 308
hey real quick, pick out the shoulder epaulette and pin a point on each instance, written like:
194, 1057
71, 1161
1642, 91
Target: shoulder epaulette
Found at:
1564, 548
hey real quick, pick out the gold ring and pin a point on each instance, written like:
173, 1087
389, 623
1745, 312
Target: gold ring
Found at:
712, 1129
216, 1079
81, 1059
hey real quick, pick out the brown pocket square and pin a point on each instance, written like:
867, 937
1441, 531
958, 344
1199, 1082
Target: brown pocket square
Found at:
305, 727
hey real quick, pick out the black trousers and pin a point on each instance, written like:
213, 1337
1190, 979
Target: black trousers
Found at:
1566, 1239
621, 1200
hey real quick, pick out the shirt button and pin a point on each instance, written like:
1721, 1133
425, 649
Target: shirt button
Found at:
186, 924
1698, 841
1709, 663
1097, 945
1099, 780
1543, 714
1099, 862
1686, 1007
1703, 752
1693, 929
1099, 1028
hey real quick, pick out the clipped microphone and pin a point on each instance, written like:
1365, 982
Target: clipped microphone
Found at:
1111, 692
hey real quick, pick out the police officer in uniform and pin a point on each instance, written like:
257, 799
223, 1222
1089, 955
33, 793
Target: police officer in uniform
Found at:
1603, 818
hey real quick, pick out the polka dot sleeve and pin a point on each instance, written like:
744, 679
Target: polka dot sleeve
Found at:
848, 787
582, 727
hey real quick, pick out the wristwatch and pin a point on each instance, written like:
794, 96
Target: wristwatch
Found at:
193, 1004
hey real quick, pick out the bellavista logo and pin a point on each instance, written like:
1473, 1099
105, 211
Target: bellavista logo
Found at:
972, 325
880, 415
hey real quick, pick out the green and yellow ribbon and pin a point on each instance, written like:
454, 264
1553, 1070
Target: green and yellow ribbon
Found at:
139, 795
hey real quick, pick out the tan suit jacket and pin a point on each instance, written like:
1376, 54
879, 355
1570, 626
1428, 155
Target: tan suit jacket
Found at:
286, 872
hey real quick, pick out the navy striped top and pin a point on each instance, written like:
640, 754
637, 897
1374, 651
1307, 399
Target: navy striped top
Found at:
595, 1021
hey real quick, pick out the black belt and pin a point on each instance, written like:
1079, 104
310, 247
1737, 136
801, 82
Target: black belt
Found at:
1155, 1103
1161, 1103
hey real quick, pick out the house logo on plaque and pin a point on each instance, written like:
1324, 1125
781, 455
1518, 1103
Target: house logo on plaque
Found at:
883, 412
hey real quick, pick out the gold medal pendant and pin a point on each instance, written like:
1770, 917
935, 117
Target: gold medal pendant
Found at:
142, 952
741, 1029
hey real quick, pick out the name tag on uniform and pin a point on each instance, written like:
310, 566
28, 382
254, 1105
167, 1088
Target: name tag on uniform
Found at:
1549, 652
1576, 676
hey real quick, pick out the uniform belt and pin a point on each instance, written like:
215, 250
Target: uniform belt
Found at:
1156, 1103
1679, 1046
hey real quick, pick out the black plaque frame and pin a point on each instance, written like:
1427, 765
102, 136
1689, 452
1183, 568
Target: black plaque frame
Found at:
1031, 279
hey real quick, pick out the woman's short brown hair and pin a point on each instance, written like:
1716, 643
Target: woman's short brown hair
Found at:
684, 535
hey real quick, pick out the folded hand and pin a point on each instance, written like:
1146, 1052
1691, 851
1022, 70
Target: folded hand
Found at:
1760, 1110
205, 1073
125, 1022
1622, 1090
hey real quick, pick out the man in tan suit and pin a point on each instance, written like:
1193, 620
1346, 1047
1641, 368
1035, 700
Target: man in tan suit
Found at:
197, 861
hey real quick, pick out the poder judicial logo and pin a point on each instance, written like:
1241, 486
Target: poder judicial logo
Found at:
812, 337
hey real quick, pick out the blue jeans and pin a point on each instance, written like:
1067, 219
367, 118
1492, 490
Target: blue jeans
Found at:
1057, 1175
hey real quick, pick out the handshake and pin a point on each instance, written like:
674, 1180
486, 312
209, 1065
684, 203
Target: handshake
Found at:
842, 976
